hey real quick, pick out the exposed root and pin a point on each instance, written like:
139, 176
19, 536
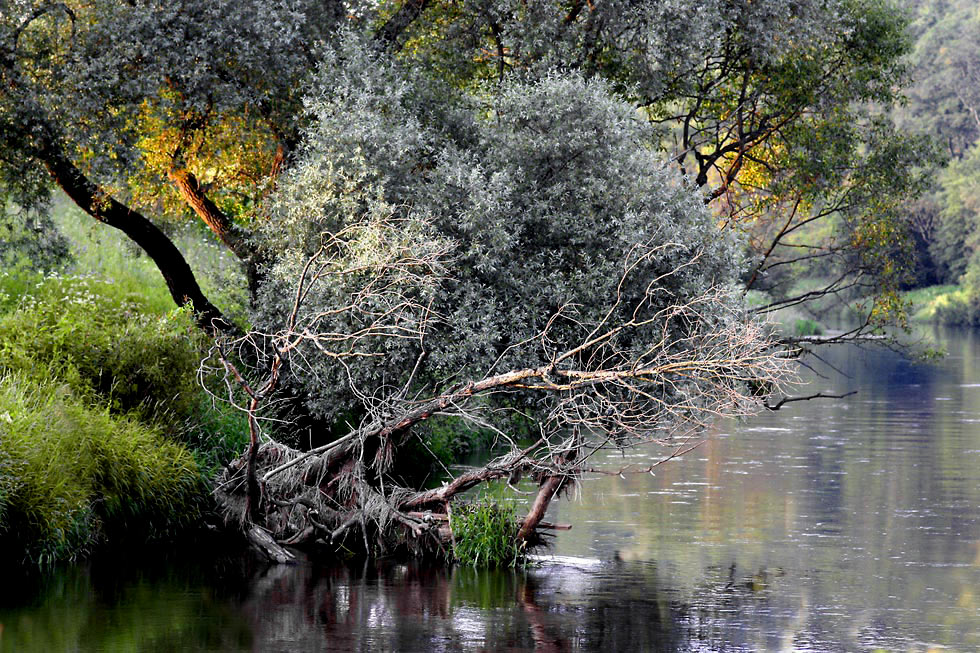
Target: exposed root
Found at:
335, 504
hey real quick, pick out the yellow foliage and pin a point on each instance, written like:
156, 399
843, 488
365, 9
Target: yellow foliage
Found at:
230, 154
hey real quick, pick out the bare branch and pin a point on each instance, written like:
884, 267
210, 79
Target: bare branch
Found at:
819, 395
647, 369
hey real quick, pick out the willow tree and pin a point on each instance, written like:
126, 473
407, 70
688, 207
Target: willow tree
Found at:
779, 111
440, 256
148, 111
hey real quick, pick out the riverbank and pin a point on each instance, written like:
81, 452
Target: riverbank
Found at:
946, 305
941, 305
107, 436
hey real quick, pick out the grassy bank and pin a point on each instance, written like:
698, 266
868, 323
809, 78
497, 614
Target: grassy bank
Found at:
105, 433
75, 475
948, 305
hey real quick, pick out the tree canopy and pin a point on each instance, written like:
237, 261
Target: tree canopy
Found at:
155, 110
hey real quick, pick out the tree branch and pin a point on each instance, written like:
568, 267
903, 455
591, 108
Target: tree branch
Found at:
392, 30
178, 275
819, 395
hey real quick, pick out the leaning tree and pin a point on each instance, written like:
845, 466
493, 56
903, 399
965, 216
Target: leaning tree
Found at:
443, 257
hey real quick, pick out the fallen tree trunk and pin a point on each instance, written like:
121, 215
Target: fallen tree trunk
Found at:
329, 501
261, 540
601, 392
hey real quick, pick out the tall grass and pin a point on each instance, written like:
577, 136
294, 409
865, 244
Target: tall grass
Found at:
76, 475
485, 535
105, 433
101, 341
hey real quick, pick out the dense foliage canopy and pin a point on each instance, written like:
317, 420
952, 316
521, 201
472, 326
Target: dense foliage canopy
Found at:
161, 110
483, 225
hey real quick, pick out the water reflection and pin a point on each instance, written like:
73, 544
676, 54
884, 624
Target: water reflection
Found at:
849, 525
571, 604
869, 506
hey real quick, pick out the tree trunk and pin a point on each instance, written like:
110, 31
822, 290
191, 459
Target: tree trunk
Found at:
546, 493
176, 272
192, 193
387, 37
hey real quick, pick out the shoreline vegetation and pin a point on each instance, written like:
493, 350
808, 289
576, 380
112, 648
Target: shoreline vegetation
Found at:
945, 305
109, 439
105, 435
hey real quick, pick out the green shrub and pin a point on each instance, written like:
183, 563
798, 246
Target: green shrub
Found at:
807, 327
102, 342
85, 333
216, 433
485, 535
955, 311
72, 476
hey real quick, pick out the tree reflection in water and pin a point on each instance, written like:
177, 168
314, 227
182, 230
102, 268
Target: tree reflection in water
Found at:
389, 606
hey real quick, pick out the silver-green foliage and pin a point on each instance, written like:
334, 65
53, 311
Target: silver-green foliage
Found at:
29, 240
528, 200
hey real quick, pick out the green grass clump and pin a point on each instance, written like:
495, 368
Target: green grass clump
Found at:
72, 476
216, 433
111, 350
485, 535
97, 366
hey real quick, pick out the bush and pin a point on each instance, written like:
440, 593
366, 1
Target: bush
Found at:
807, 327
216, 432
955, 311
84, 333
72, 476
488, 220
485, 534
108, 349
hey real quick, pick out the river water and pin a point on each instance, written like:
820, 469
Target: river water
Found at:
830, 525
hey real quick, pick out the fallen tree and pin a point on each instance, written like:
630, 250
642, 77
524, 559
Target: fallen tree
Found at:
599, 395
538, 266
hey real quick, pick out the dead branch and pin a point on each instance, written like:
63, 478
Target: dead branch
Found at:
646, 371
819, 395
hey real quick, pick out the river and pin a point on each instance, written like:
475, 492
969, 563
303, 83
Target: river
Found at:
832, 525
